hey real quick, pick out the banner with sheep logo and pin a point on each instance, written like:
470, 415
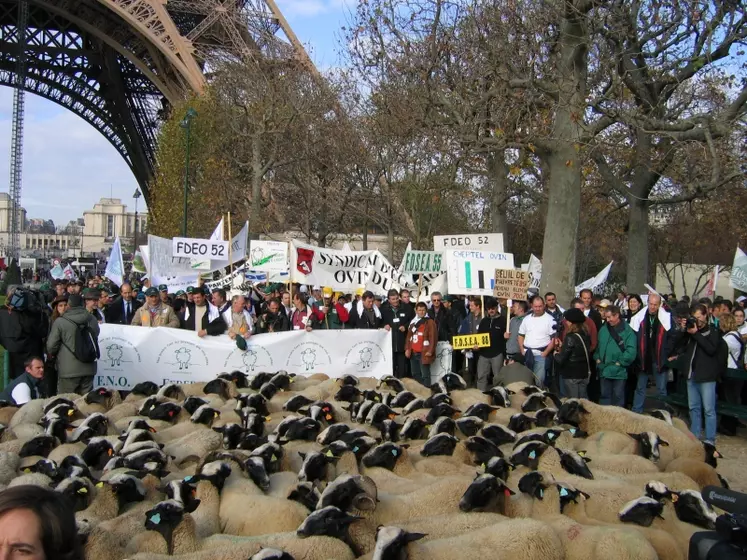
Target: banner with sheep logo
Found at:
131, 355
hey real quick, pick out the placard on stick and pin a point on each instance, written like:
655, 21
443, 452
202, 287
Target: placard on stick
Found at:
511, 284
469, 341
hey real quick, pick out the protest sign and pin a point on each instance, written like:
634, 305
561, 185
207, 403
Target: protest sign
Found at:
511, 284
238, 250
738, 279
469, 341
472, 273
478, 241
160, 262
535, 272
596, 281
422, 262
442, 364
268, 255
199, 248
131, 355
174, 283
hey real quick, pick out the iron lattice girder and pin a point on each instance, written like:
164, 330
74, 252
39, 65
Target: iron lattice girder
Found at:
119, 64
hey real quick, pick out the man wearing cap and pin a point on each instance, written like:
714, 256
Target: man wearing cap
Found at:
316, 295
330, 314
202, 316
163, 290
91, 298
75, 287
490, 358
122, 310
155, 313
396, 318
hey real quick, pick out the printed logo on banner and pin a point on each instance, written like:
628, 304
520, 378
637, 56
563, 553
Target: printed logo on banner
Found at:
116, 353
308, 356
255, 357
444, 357
183, 356
365, 355
304, 260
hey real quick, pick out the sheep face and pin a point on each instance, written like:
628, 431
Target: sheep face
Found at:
413, 429
282, 381
255, 401
314, 466
232, 434
391, 382
440, 444
78, 490
443, 425
500, 396
40, 445
453, 382
482, 449
520, 423
658, 490
98, 423
469, 425
216, 472
183, 493
545, 417
534, 402
481, 410
483, 493
268, 390
43, 466
347, 393
535, 483
572, 412
57, 401
271, 554
575, 463
145, 389
305, 494
204, 415
528, 454
402, 399
332, 433
259, 380
690, 507
499, 467
649, 445
440, 410
191, 404
128, 489
171, 391
385, 455
391, 542
238, 377
349, 380
389, 430
711, 454
349, 491
417, 404
498, 434
98, 396
164, 518
641, 511
164, 411
219, 387
329, 521
569, 494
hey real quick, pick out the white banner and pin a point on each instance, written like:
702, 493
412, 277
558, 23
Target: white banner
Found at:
237, 252
199, 248
131, 355
738, 278
174, 283
472, 273
535, 272
476, 241
161, 263
268, 255
597, 280
442, 364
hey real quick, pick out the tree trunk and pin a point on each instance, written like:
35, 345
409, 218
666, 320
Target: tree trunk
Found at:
365, 228
637, 246
564, 161
254, 218
498, 178
390, 242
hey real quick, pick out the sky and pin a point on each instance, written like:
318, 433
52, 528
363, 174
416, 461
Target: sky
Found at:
63, 155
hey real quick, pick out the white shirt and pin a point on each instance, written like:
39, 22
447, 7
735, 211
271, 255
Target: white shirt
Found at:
537, 332
21, 394
734, 349
743, 329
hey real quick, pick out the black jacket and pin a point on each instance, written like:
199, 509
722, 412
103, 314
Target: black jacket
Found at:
33, 383
271, 322
446, 323
571, 362
497, 328
699, 354
362, 321
214, 328
595, 316
115, 314
396, 319
22, 334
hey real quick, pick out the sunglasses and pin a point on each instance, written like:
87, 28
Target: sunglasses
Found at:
436, 300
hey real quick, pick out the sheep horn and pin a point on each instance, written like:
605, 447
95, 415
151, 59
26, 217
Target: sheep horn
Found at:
366, 500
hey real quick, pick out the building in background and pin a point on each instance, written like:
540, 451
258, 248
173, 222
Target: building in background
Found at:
5, 214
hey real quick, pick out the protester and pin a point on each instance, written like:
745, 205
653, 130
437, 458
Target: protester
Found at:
75, 372
203, 317
330, 313
404, 297
155, 313
302, 317
163, 293
652, 346
238, 320
536, 338
122, 309
91, 298
469, 326
616, 351
552, 307
395, 318
23, 327
26, 386
635, 304
741, 326
364, 314
731, 387
622, 301
75, 287
420, 344
455, 314
573, 355
285, 299
273, 320
490, 359
587, 298
519, 311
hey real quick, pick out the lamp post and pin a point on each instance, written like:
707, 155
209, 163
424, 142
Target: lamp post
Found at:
137, 195
187, 125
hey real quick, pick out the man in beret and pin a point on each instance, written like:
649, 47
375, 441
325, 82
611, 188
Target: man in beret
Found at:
155, 313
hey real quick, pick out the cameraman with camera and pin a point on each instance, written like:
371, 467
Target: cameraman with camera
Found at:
695, 349
23, 327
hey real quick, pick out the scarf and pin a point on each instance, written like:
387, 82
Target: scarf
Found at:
238, 323
359, 309
665, 318
212, 312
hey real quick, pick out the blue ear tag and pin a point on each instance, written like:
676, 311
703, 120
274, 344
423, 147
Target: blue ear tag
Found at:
573, 431
355, 449
563, 492
394, 452
542, 493
188, 478
533, 455
550, 435
155, 518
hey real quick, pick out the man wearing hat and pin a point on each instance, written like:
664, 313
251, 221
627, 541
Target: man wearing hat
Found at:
329, 312
316, 295
75, 287
155, 313
163, 291
91, 298
202, 316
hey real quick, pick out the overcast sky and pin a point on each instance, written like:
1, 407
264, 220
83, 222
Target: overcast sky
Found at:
63, 155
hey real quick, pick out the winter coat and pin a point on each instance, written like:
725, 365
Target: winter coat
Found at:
212, 320
571, 362
23, 332
400, 317
496, 327
360, 320
61, 343
614, 360
271, 322
660, 341
336, 316
699, 356
430, 336
164, 317
444, 323
26, 378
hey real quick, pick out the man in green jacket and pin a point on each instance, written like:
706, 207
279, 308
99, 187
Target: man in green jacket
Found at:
616, 350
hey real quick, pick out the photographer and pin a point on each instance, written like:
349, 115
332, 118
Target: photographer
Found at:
696, 352
273, 320
23, 326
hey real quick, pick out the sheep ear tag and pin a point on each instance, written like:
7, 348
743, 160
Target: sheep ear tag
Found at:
550, 435
329, 453
563, 492
394, 452
216, 414
675, 497
26, 470
268, 418
507, 492
533, 455
83, 491
155, 518
70, 412
188, 478
99, 485
273, 458
542, 493
573, 431
582, 453
328, 417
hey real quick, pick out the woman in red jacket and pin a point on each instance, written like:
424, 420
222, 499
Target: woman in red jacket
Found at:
420, 346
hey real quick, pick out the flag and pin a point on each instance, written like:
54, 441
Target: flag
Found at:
738, 279
138, 263
346, 247
402, 264
597, 280
57, 273
238, 249
115, 266
68, 273
218, 233
535, 271
710, 287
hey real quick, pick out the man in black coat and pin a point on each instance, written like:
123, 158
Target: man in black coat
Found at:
444, 319
122, 310
364, 314
210, 319
396, 317
23, 326
586, 298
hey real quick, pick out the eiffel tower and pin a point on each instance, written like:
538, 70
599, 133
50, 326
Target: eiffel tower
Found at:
120, 64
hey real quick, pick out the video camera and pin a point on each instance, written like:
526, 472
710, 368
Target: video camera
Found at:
25, 299
729, 541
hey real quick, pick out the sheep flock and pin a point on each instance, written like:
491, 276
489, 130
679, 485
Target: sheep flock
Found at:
282, 466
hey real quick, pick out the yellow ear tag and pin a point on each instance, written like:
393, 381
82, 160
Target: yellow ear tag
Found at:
70, 412
274, 458
675, 497
268, 418
83, 491
376, 399
582, 453
99, 485
329, 453
483, 466
292, 379
27, 471
216, 414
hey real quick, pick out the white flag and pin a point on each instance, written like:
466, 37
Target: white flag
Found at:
401, 266
68, 272
738, 278
218, 233
597, 280
115, 266
535, 271
238, 249
346, 247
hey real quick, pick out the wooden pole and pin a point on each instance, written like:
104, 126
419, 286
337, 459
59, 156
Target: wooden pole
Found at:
230, 243
420, 287
508, 315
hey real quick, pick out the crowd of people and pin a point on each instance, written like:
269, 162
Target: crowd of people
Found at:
608, 352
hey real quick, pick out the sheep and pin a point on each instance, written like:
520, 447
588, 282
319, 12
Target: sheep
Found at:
702, 473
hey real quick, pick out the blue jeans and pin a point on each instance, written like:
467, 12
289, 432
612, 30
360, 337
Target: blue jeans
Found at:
539, 369
702, 400
420, 372
613, 392
640, 389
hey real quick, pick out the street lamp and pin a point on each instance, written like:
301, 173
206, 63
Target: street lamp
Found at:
187, 125
137, 195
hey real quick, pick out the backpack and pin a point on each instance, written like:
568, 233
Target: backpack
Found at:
740, 360
86, 345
